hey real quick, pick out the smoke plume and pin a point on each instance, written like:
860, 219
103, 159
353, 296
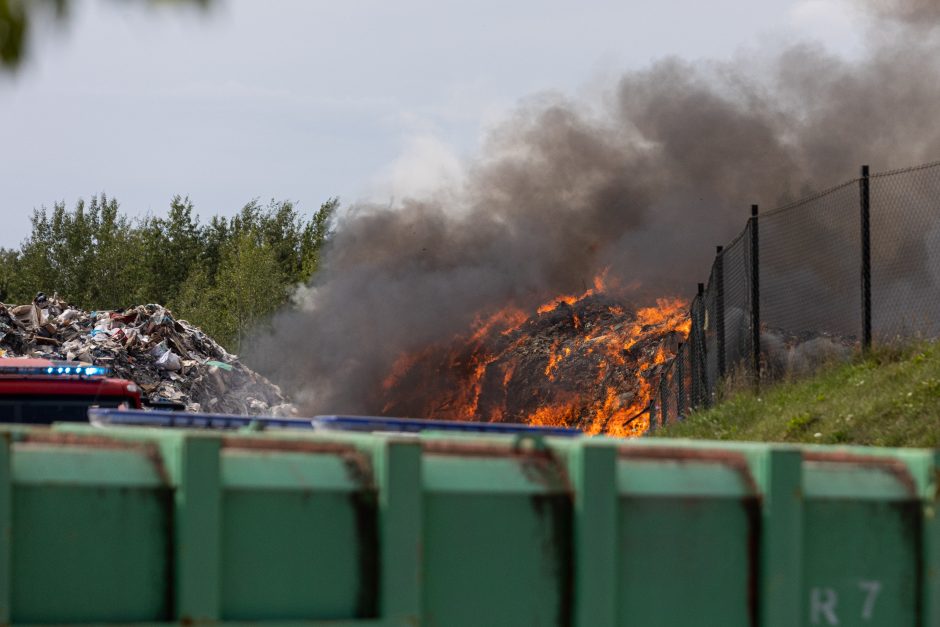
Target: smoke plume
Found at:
644, 187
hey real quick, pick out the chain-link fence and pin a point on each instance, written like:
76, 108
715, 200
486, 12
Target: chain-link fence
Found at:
811, 282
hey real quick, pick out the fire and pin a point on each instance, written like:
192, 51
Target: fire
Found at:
599, 284
580, 360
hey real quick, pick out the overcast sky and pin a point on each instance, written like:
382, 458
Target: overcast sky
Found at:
303, 100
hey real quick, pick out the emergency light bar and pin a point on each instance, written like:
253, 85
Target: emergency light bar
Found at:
107, 417
56, 369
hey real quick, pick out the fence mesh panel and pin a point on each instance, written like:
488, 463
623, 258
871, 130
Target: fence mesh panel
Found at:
736, 265
698, 389
810, 271
669, 392
810, 279
665, 402
905, 253
709, 321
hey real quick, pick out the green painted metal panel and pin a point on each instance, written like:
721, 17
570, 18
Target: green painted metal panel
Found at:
398, 472
860, 563
99, 467
664, 477
455, 473
928, 463
85, 554
149, 527
683, 559
497, 557
594, 479
833, 480
496, 560
194, 463
6, 529
679, 520
269, 471
304, 523
861, 547
314, 552
779, 474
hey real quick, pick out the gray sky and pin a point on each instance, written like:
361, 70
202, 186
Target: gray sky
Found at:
303, 100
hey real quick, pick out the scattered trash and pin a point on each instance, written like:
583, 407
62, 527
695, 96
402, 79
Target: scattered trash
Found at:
169, 361
172, 361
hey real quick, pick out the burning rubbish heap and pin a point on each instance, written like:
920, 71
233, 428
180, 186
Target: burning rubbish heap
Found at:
169, 359
585, 361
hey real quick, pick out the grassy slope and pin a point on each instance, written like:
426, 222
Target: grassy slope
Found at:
891, 398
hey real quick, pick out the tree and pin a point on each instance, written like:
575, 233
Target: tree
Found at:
227, 276
35, 268
9, 267
169, 249
249, 288
112, 271
18, 16
316, 234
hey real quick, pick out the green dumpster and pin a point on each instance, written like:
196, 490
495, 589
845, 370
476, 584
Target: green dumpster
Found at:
132, 525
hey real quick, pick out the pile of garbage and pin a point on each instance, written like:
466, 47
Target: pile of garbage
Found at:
589, 363
172, 361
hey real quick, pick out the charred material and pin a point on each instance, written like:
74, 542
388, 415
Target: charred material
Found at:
585, 362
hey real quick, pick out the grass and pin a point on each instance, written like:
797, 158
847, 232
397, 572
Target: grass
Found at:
890, 397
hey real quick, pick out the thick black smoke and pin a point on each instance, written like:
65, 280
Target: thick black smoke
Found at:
645, 188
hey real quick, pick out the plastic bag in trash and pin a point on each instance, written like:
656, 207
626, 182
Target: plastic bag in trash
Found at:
68, 316
169, 361
159, 350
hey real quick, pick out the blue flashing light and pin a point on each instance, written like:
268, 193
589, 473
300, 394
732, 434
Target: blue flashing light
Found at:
66, 369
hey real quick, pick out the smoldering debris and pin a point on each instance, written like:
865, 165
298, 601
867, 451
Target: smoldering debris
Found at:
584, 362
169, 359
643, 185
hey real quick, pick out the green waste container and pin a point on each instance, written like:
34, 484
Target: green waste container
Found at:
130, 525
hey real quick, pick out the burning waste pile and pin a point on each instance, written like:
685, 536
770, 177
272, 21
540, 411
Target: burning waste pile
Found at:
427, 306
581, 361
169, 359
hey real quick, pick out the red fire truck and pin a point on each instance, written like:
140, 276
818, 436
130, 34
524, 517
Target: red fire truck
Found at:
41, 391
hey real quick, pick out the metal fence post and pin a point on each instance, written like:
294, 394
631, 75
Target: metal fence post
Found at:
652, 412
755, 294
680, 382
865, 192
663, 399
701, 382
693, 357
720, 309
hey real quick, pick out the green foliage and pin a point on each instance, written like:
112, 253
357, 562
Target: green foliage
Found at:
886, 398
252, 283
226, 276
18, 16
13, 23
799, 423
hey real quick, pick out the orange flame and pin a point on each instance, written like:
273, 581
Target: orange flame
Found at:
617, 353
599, 285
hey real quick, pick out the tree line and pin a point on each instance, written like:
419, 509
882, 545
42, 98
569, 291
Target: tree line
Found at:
226, 275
